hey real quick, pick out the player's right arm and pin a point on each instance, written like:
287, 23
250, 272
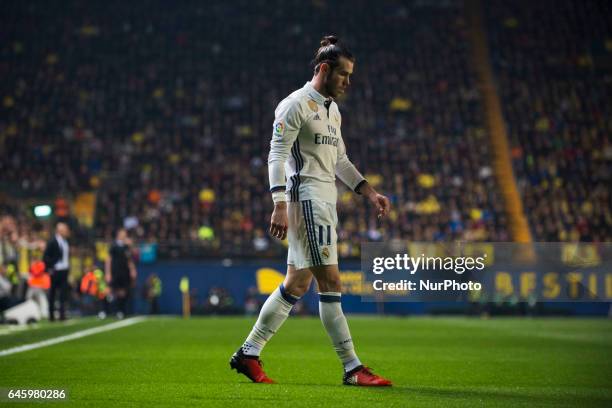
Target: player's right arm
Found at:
133, 272
287, 123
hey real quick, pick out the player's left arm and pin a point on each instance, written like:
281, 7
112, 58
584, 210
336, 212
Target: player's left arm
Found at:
133, 272
348, 173
107, 268
382, 203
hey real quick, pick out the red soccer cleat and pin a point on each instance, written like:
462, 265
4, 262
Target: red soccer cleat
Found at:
364, 377
251, 366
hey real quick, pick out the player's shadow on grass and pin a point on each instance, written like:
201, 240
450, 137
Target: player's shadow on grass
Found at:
471, 395
505, 396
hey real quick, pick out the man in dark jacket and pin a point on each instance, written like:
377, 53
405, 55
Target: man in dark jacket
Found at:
120, 272
57, 263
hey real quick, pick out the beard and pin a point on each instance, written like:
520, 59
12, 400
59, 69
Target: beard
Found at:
330, 89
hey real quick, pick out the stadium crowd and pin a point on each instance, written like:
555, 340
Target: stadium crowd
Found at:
554, 74
167, 115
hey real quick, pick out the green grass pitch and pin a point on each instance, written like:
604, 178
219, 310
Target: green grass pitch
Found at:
434, 362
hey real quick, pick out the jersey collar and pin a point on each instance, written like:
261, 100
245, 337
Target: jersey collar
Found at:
315, 95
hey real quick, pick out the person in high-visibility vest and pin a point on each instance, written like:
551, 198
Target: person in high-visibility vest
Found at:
39, 278
89, 284
103, 292
101, 282
89, 292
13, 277
153, 290
94, 290
39, 282
184, 288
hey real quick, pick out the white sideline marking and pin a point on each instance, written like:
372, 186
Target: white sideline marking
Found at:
72, 336
10, 329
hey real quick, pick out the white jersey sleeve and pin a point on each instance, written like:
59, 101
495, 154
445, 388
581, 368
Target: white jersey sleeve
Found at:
287, 123
346, 171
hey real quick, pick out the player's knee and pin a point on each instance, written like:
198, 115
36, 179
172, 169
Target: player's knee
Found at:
297, 288
330, 284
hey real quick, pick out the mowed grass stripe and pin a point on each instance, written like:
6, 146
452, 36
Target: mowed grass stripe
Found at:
433, 362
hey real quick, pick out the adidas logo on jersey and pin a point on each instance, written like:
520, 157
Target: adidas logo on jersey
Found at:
316, 117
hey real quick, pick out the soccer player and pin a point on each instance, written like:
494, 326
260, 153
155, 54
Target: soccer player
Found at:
306, 154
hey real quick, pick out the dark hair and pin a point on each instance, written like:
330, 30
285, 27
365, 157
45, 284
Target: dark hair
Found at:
330, 52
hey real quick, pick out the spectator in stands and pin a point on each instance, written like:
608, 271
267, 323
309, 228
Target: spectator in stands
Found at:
161, 163
552, 73
9, 251
6, 299
184, 162
252, 303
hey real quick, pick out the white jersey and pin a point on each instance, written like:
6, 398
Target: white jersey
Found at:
307, 150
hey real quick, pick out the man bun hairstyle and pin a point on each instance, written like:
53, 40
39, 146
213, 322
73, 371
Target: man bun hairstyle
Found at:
329, 39
330, 51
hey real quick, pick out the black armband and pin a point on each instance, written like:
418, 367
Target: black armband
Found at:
358, 186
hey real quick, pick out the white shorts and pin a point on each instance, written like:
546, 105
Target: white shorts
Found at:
312, 234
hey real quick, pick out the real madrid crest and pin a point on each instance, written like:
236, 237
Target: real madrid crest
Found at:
313, 106
325, 252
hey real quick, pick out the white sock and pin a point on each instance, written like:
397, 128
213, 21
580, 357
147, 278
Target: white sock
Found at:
337, 328
273, 314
